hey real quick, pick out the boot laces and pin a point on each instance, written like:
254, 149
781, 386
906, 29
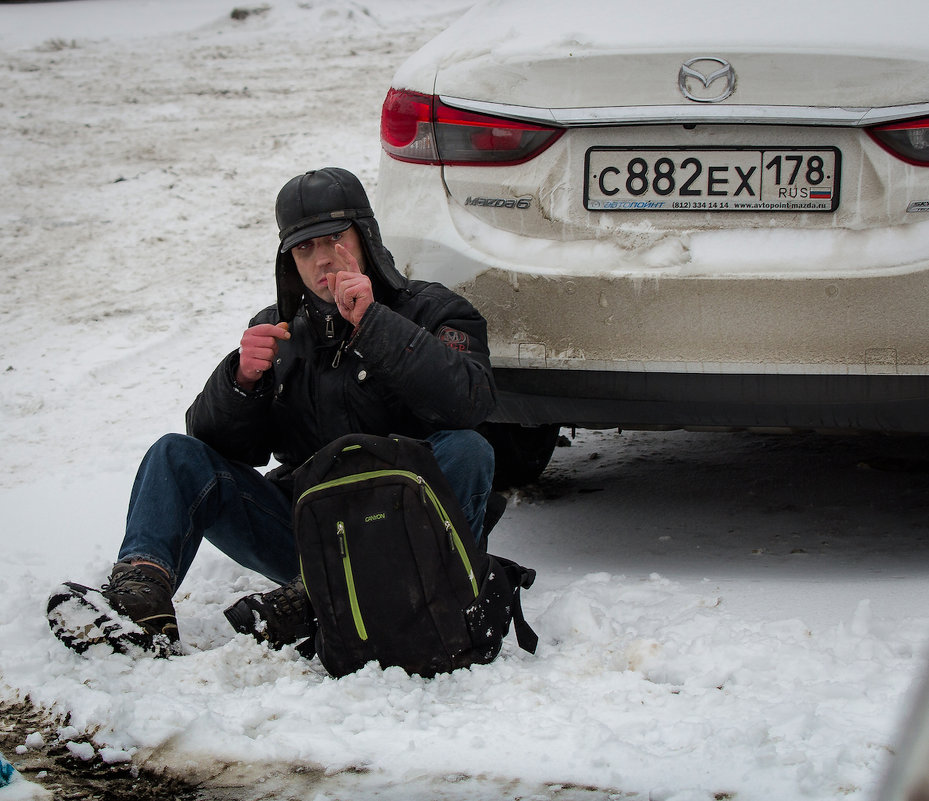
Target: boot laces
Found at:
122, 581
289, 599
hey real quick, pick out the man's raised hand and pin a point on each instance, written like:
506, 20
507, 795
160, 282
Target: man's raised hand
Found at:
257, 351
351, 289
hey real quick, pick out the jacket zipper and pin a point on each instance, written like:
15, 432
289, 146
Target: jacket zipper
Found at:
330, 334
338, 354
350, 582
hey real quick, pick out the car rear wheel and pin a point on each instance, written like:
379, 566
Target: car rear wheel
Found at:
521, 452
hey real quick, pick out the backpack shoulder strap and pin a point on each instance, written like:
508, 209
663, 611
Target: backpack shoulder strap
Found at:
520, 578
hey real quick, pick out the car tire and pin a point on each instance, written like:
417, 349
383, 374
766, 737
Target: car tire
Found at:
521, 452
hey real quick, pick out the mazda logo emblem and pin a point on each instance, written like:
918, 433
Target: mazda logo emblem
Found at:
709, 71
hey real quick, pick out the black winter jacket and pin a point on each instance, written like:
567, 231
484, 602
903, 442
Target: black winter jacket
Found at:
417, 363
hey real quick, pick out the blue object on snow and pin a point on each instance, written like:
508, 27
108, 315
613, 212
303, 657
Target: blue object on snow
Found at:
7, 771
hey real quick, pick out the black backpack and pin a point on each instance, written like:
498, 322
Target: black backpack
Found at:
391, 566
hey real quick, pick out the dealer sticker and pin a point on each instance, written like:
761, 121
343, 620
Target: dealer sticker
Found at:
918, 205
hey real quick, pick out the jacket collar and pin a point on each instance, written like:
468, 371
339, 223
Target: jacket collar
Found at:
325, 320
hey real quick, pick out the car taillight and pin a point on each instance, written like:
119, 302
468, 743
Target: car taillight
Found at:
418, 127
907, 140
406, 127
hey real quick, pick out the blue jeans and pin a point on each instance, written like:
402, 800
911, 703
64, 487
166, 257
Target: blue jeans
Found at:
185, 492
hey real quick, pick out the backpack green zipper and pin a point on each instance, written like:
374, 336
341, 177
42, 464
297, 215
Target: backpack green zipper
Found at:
428, 493
350, 582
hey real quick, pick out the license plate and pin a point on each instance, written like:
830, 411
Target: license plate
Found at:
712, 179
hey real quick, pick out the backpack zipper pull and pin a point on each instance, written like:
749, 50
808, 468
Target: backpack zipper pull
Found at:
451, 535
422, 489
340, 532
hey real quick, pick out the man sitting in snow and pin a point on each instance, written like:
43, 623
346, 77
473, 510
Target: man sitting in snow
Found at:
351, 346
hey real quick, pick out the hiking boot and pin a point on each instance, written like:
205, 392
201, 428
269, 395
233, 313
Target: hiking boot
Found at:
279, 617
133, 610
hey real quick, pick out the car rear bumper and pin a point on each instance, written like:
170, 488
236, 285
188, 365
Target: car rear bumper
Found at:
601, 399
755, 328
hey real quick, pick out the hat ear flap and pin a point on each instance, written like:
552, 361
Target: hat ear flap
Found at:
290, 287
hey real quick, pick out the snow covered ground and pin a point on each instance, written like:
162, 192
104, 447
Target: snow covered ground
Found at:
722, 616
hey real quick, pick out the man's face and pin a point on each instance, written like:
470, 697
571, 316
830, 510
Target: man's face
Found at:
317, 258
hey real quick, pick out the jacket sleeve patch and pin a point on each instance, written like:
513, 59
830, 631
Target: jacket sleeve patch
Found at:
454, 339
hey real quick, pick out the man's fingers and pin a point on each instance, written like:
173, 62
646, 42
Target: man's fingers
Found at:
258, 347
264, 335
278, 331
262, 353
258, 350
346, 260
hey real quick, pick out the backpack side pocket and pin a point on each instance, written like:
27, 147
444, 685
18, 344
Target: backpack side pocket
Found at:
497, 604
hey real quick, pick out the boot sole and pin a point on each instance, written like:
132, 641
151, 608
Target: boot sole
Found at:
80, 617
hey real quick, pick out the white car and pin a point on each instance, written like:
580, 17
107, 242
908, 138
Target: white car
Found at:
675, 214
